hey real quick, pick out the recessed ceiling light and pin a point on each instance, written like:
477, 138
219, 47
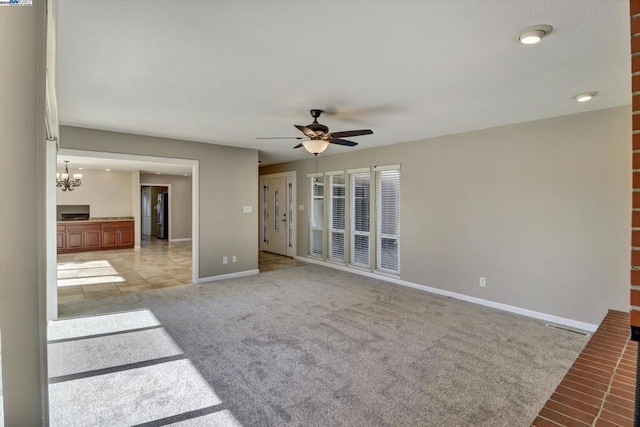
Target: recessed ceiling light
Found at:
186, 174
534, 34
80, 168
108, 170
157, 173
586, 96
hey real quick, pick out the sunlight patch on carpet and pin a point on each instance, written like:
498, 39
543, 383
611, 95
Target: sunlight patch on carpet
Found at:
125, 369
130, 397
103, 352
101, 324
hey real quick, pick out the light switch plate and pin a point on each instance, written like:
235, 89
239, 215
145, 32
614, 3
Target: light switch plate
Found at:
300, 207
247, 209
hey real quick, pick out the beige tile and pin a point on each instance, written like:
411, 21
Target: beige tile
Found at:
107, 273
81, 264
85, 281
69, 290
67, 274
132, 277
133, 289
97, 271
102, 294
130, 283
165, 284
70, 298
149, 273
99, 287
184, 280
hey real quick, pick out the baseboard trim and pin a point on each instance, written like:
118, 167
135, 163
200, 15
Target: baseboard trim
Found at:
184, 239
487, 303
228, 276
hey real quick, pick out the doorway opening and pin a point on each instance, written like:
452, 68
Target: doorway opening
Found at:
155, 221
99, 273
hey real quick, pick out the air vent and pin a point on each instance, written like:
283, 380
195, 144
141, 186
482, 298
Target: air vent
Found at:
564, 328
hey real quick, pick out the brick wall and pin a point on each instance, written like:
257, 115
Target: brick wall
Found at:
599, 388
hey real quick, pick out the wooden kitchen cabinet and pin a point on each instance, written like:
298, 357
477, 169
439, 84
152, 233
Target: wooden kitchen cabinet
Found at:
61, 241
84, 236
117, 234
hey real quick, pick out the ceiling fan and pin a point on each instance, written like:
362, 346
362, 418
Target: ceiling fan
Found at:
320, 137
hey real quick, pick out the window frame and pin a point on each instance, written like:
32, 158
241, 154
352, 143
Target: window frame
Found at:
365, 173
381, 221
331, 230
316, 179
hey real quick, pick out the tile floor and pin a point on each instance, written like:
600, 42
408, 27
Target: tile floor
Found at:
158, 264
270, 262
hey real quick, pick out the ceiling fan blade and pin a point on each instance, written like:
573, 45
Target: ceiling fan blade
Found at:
281, 137
351, 133
342, 142
306, 131
298, 146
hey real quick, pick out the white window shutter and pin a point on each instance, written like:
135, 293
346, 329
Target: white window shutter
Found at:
316, 213
388, 220
360, 218
337, 211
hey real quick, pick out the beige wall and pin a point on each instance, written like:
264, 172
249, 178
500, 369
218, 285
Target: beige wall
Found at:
22, 215
228, 180
180, 200
107, 193
541, 209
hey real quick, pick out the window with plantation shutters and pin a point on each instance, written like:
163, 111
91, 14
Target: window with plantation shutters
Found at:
337, 217
388, 220
316, 219
360, 211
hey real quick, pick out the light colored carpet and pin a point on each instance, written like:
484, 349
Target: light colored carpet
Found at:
318, 347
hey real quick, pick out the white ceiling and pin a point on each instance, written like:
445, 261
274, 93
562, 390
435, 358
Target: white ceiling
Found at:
102, 163
226, 72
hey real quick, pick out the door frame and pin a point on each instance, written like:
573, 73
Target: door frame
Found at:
52, 153
292, 220
142, 184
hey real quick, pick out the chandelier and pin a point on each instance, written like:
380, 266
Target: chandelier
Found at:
63, 181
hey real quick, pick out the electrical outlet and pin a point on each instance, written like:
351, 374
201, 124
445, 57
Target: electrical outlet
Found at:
234, 258
483, 281
225, 260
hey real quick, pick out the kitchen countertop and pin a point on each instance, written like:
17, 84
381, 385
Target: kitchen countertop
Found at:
99, 219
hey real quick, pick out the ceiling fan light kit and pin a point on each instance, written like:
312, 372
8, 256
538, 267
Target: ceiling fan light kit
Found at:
315, 146
320, 137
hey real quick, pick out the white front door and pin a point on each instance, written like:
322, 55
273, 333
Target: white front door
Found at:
275, 217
